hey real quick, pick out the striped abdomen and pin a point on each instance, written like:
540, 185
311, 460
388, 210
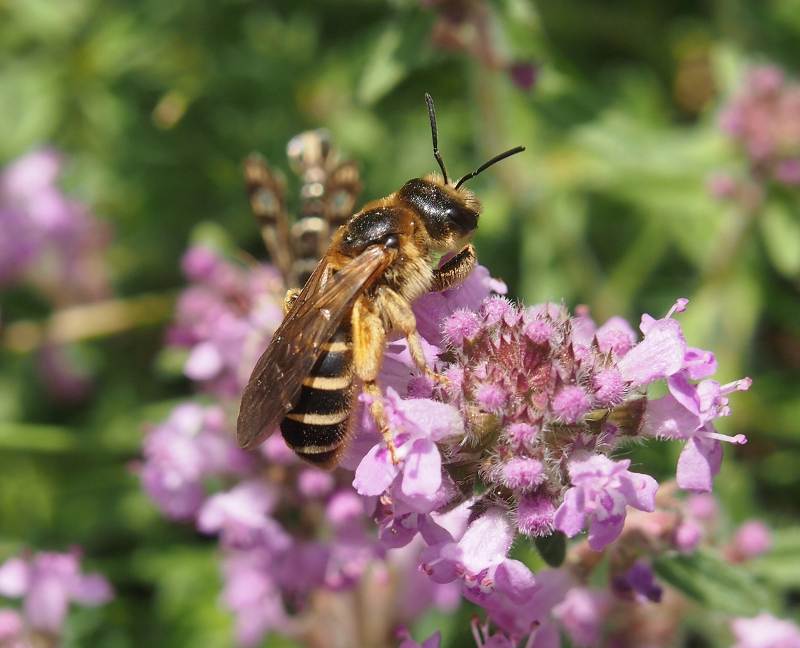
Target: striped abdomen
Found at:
317, 426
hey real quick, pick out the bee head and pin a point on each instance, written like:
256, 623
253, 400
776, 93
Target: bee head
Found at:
450, 211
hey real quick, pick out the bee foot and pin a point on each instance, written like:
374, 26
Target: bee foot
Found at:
389, 440
393, 454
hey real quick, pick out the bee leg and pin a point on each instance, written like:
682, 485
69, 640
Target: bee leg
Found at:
402, 318
369, 341
454, 271
288, 301
379, 414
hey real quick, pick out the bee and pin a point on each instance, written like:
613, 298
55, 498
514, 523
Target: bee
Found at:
335, 328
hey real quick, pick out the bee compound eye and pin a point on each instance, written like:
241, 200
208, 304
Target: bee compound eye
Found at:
391, 241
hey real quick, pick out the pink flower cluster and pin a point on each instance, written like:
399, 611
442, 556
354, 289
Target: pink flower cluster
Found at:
286, 530
52, 243
522, 435
519, 440
48, 583
49, 239
225, 319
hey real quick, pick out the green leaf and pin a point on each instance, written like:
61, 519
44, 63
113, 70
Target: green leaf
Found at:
781, 230
398, 50
553, 548
781, 564
714, 583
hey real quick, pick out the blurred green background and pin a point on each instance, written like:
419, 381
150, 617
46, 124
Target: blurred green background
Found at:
156, 103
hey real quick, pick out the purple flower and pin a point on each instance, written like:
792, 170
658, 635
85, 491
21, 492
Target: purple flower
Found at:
523, 74
19, 245
638, 583
12, 629
242, 517
418, 593
434, 641
517, 439
765, 631
616, 335
417, 424
762, 118
49, 582
191, 445
527, 617
661, 354
225, 319
687, 413
571, 403
542, 636
45, 225
751, 540
601, 490
582, 614
474, 557
253, 596
536, 514
687, 536
702, 506
432, 309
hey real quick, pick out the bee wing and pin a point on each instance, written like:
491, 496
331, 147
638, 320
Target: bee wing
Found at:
297, 344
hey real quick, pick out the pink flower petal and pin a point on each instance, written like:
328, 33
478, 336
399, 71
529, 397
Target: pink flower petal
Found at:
515, 580
570, 517
699, 462
639, 490
375, 473
604, 532
436, 420
422, 472
666, 418
487, 541
658, 356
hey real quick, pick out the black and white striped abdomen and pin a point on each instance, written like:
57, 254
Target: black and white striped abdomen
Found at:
317, 426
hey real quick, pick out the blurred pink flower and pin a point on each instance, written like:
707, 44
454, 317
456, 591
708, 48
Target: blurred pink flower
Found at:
49, 582
764, 119
225, 319
58, 246
638, 583
765, 631
434, 641
751, 540
191, 445
582, 614
12, 629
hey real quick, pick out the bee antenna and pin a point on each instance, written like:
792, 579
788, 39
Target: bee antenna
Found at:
435, 135
486, 165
